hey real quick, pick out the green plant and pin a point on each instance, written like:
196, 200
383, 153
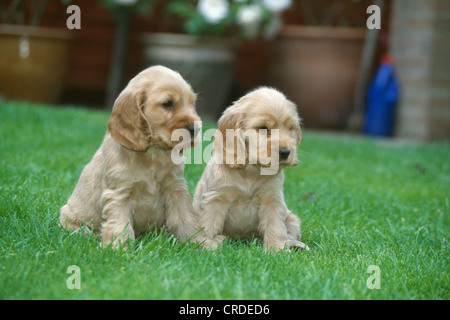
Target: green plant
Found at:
246, 18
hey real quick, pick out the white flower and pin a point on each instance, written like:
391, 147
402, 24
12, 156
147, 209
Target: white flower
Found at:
277, 5
250, 18
249, 14
125, 2
213, 10
274, 26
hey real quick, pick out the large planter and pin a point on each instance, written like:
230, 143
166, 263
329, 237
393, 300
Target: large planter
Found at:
33, 62
317, 68
206, 63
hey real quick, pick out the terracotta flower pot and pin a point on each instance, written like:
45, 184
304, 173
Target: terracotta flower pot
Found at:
317, 68
33, 62
206, 63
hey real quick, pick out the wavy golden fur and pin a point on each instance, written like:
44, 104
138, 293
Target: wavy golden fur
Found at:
234, 198
131, 184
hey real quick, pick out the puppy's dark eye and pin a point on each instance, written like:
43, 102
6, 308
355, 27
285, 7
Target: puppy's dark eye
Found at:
168, 104
262, 128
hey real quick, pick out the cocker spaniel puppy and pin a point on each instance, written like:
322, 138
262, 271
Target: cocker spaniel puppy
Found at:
131, 184
234, 196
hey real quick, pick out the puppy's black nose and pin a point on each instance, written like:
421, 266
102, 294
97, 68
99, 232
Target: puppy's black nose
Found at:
192, 129
284, 153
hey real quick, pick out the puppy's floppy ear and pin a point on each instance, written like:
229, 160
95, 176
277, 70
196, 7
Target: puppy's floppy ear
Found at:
232, 148
299, 122
128, 124
299, 132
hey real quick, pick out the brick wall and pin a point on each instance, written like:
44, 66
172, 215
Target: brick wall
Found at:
420, 43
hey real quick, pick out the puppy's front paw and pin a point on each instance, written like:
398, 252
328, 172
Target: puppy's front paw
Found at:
295, 245
289, 245
213, 243
117, 244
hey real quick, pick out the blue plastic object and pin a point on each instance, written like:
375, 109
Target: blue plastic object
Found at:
382, 97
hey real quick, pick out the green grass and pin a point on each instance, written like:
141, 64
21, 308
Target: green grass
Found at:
362, 202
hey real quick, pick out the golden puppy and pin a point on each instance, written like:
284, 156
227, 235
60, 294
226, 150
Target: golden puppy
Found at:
131, 184
234, 197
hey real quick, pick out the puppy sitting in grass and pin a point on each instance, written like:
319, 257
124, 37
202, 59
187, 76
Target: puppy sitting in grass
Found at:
241, 190
131, 184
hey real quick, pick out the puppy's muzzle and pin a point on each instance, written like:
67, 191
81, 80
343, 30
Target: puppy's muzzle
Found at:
192, 130
284, 153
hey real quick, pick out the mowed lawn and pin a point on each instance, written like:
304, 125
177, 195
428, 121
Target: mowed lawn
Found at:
362, 202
